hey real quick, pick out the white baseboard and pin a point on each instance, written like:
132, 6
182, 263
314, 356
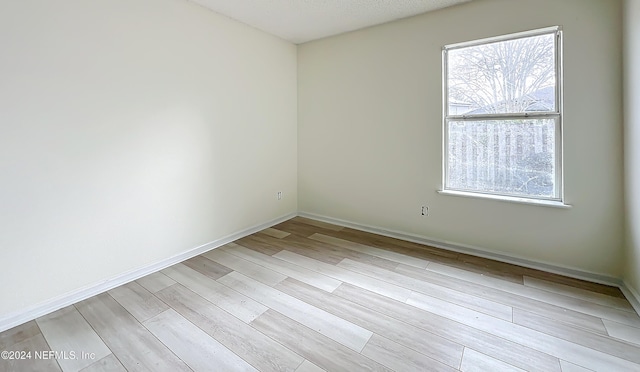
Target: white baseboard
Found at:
19, 317
474, 251
632, 295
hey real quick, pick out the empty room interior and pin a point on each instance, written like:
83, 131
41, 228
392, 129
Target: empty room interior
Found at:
217, 185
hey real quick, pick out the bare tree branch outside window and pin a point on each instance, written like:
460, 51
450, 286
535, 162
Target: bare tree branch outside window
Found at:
503, 77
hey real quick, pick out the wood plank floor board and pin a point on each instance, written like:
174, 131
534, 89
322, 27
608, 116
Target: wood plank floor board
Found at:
296, 228
303, 245
239, 305
141, 303
570, 367
246, 267
155, 282
197, 349
286, 268
327, 324
313, 346
271, 246
410, 248
134, 346
485, 342
473, 361
473, 264
316, 223
436, 347
329, 253
348, 276
572, 317
498, 270
557, 347
399, 357
427, 253
300, 228
30, 345
592, 340
382, 253
257, 349
427, 288
107, 364
207, 267
479, 268
571, 303
583, 294
307, 366
623, 332
577, 283
55, 328
18, 334
258, 243
274, 233
504, 270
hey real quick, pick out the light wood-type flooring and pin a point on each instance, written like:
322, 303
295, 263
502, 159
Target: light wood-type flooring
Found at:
308, 296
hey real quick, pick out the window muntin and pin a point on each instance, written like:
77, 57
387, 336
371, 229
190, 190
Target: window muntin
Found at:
502, 108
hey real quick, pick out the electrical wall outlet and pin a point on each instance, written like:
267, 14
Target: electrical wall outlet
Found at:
425, 210
279, 195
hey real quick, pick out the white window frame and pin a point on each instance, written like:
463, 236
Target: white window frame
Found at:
556, 115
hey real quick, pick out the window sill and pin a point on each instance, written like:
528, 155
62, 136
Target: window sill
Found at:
510, 199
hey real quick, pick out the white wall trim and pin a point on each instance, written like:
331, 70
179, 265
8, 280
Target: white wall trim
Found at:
631, 294
472, 250
22, 316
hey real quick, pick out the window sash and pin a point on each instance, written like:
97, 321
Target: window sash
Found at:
557, 48
558, 187
556, 115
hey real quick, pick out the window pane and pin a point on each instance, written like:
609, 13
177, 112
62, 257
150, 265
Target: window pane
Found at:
512, 76
514, 157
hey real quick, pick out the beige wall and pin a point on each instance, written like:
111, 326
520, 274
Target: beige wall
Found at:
370, 133
131, 131
632, 140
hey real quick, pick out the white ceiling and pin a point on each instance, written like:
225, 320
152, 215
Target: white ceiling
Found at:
300, 21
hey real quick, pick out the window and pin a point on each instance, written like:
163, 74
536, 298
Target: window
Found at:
503, 116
